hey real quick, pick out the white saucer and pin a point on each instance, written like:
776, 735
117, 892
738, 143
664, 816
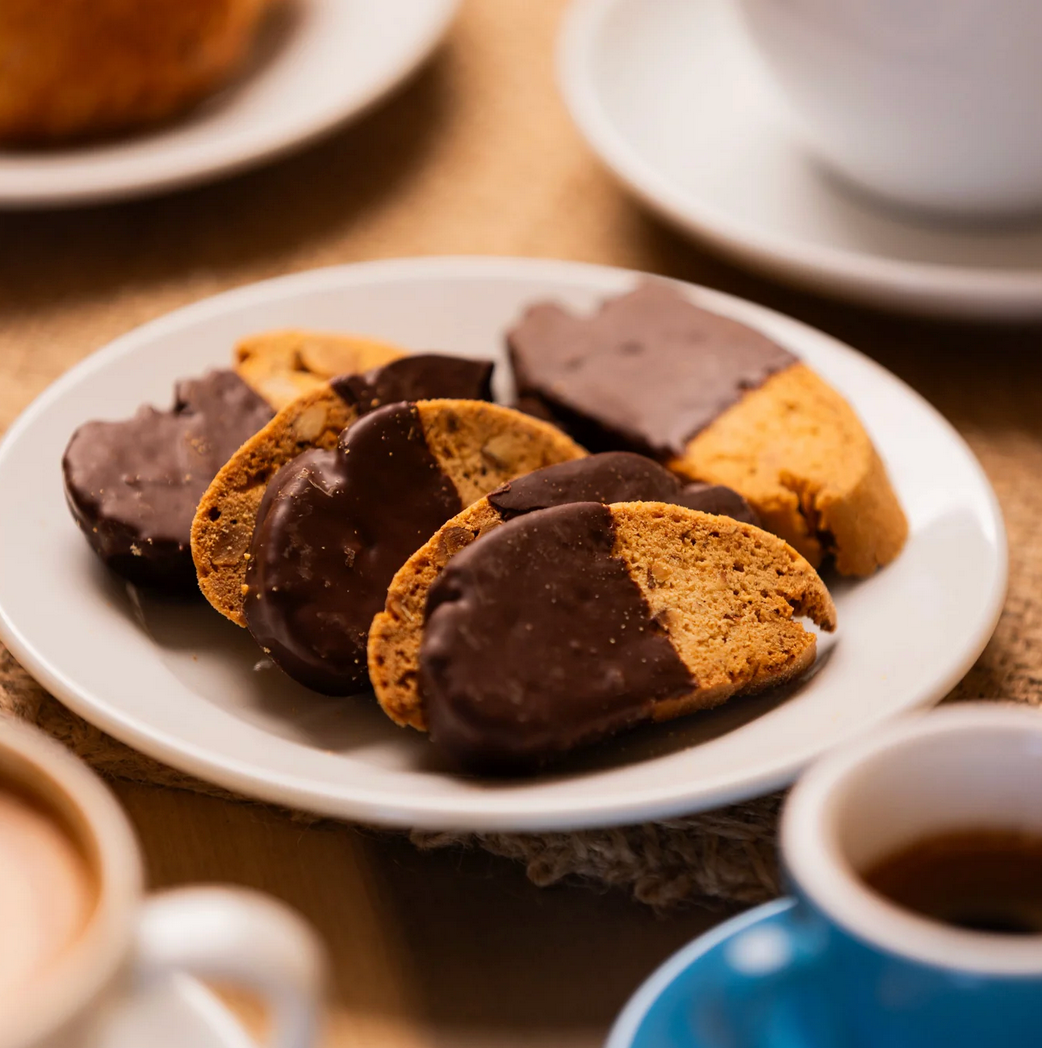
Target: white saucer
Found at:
673, 99
178, 1012
179, 682
319, 63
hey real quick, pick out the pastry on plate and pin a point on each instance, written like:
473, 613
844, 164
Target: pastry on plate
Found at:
715, 401
79, 68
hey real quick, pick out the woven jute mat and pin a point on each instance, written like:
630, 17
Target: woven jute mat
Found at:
478, 156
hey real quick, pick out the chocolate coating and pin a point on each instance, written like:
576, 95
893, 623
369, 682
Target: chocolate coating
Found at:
333, 528
614, 476
422, 376
537, 640
133, 486
645, 373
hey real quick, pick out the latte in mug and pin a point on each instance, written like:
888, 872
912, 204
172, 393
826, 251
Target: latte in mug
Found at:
47, 890
80, 946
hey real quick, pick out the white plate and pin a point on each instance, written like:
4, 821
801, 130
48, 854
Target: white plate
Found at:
319, 63
671, 96
179, 682
177, 1012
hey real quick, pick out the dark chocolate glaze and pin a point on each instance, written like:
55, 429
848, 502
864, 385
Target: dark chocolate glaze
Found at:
614, 476
333, 528
537, 640
133, 486
647, 372
422, 376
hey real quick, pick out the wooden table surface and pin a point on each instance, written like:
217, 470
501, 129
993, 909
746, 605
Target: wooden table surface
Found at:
446, 949
475, 156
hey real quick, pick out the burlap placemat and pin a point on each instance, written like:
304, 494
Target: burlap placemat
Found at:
478, 156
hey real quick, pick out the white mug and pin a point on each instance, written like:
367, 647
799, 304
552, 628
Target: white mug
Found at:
935, 104
130, 942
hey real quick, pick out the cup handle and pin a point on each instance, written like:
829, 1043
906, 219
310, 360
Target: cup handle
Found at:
753, 1004
242, 937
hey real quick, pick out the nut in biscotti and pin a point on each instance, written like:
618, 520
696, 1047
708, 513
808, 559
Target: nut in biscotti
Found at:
284, 365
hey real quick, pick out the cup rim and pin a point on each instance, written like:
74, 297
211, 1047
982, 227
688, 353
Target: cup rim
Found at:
814, 860
93, 960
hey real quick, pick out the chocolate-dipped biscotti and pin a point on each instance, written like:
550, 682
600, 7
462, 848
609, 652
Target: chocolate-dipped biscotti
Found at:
133, 485
617, 476
336, 524
716, 401
568, 624
227, 511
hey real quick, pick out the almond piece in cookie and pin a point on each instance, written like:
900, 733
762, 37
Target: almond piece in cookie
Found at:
570, 624
335, 525
224, 520
717, 401
615, 476
284, 365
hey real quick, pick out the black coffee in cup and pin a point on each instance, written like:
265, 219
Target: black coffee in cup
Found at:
980, 880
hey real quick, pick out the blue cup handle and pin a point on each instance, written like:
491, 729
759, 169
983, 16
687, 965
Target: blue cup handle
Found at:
769, 990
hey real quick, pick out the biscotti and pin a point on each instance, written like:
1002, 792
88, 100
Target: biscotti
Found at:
568, 624
335, 525
133, 485
618, 476
284, 365
716, 401
226, 513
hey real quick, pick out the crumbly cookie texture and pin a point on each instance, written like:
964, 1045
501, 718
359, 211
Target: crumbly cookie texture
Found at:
725, 592
480, 446
72, 69
798, 452
225, 519
284, 365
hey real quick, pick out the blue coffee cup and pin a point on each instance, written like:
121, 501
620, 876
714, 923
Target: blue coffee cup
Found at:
840, 966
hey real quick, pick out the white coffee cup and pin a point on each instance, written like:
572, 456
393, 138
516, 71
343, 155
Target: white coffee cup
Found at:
129, 942
934, 104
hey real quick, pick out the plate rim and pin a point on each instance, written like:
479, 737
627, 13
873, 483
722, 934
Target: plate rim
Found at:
981, 292
224, 161
464, 813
